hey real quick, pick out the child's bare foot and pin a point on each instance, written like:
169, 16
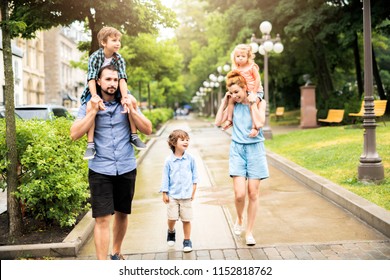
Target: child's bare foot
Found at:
227, 125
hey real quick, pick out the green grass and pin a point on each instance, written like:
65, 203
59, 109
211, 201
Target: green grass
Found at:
334, 153
289, 118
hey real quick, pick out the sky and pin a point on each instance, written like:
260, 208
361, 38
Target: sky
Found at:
167, 33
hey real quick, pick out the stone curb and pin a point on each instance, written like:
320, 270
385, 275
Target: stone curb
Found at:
375, 216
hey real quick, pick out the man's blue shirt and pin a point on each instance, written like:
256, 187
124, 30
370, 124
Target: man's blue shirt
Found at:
179, 176
114, 153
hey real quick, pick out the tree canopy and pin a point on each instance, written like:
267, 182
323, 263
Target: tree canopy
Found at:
320, 38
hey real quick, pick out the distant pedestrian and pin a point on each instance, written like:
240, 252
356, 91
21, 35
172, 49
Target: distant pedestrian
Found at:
109, 40
247, 159
179, 181
113, 171
243, 61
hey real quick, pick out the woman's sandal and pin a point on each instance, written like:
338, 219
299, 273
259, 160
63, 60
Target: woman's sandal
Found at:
227, 125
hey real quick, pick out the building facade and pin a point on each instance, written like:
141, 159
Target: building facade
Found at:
64, 83
17, 61
43, 73
33, 69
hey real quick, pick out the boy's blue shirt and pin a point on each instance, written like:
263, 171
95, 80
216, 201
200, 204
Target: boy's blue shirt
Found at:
95, 62
179, 176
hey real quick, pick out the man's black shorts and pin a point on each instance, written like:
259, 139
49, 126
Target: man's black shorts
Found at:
111, 193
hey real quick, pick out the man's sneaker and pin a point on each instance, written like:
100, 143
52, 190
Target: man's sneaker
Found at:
89, 153
171, 238
137, 143
187, 245
117, 257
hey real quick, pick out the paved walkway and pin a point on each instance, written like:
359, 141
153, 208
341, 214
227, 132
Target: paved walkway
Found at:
293, 221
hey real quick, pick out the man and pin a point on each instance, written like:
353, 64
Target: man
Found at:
112, 172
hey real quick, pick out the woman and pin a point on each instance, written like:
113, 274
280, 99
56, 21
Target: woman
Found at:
247, 159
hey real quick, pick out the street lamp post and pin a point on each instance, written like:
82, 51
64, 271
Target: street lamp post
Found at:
221, 78
267, 44
198, 100
203, 94
213, 84
207, 89
370, 167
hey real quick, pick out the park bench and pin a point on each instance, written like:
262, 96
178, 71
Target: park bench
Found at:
379, 110
334, 116
279, 113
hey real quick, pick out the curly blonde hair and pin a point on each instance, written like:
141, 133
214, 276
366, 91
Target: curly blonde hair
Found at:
245, 48
106, 32
174, 136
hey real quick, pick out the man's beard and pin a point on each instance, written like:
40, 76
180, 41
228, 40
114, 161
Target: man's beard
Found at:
107, 91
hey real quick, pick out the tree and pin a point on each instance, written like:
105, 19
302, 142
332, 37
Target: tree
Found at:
130, 16
208, 33
321, 38
351, 25
155, 62
13, 209
24, 17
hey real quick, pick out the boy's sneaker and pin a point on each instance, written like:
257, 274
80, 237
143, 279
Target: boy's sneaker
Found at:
171, 238
89, 153
187, 245
137, 143
117, 257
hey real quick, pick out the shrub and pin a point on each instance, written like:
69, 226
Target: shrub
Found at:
158, 116
53, 176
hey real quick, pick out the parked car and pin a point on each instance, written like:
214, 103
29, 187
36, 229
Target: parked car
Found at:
42, 111
2, 113
73, 112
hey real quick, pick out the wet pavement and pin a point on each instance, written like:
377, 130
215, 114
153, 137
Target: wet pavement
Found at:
293, 221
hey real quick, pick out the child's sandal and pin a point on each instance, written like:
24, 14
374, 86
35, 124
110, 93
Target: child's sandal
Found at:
227, 125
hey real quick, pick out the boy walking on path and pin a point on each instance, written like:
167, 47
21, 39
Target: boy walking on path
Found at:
179, 181
109, 40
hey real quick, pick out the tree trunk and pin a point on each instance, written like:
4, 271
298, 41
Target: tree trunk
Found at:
325, 83
92, 27
377, 77
149, 101
13, 208
358, 66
